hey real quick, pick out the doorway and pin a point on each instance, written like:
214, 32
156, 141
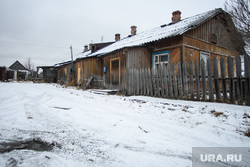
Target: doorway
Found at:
115, 69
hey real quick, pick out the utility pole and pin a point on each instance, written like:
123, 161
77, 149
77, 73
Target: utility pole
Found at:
71, 53
71, 73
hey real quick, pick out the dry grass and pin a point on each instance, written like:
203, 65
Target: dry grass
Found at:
217, 114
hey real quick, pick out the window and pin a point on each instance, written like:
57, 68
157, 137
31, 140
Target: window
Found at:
160, 59
204, 56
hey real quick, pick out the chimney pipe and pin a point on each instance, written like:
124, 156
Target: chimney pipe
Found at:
176, 16
133, 30
85, 48
117, 37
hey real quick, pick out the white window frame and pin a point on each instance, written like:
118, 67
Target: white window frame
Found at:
204, 56
158, 62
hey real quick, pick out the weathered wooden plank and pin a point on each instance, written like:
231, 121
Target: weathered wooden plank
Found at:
144, 82
150, 80
203, 80
162, 77
175, 82
210, 81
197, 80
164, 82
133, 81
157, 83
147, 81
247, 79
216, 80
170, 85
180, 81
230, 66
138, 81
239, 95
154, 82
185, 80
223, 77
191, 79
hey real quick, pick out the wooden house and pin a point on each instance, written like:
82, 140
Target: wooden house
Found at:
17, 71
207, 35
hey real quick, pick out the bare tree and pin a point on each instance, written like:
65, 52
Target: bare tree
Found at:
239, 9
29, 65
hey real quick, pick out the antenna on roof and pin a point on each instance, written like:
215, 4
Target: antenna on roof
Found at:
101, 39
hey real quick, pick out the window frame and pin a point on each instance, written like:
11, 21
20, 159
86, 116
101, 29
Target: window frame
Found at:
158, 55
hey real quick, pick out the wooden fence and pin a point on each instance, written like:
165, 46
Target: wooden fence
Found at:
190, 82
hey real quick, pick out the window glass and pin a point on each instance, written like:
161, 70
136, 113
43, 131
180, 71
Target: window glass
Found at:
164, 58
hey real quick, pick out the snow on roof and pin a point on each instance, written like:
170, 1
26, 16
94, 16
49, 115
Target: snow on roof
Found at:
63, 63
83, 54
164, 31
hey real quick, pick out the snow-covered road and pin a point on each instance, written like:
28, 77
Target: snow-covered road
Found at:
89, 129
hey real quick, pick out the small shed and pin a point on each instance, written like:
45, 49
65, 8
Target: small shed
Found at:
49, 73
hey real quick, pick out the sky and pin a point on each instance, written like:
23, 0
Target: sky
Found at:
44, 30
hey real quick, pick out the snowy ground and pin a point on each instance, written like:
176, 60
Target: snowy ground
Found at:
89, 129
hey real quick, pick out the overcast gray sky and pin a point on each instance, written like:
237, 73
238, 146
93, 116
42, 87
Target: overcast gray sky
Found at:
44, 29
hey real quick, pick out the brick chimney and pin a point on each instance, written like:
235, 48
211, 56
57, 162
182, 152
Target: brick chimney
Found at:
133, 30
85, 48
176, 16
117, 37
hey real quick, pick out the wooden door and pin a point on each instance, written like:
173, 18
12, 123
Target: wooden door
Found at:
115, 73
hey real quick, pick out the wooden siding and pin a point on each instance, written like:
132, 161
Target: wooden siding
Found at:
220, 27
86, 67
139, 57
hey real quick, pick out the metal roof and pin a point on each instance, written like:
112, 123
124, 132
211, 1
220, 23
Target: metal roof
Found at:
158, 33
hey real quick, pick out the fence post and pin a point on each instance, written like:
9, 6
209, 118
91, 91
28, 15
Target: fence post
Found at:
170, 85
180, 80
210, 80
216, 79
197, 80
150, 80
191, 79
165, 81
203, 80
147, 81
154, 85
239, 95
247, 79
223, 77
144, 82
230, 66
175, 82
185, 81
161, 77
137, 77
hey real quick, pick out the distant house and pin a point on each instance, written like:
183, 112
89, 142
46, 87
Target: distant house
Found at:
207, 35
17, 71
